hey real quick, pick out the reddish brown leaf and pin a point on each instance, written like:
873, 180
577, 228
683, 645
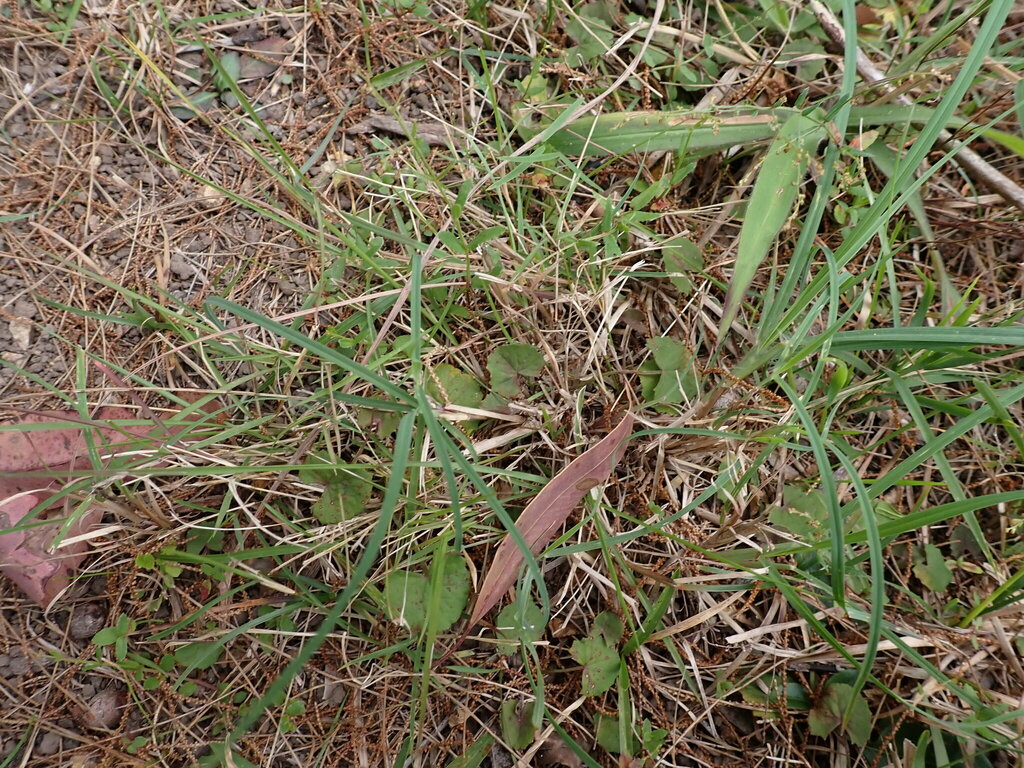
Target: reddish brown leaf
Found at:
34, 466
547, 512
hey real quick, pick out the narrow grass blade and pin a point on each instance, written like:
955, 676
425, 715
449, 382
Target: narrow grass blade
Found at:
356, 582
770, 205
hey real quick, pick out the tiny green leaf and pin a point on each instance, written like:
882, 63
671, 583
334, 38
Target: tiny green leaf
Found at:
510, 364
145, 562
513, 629
199, 655
106, 636
932, 569
681, 256
517, 729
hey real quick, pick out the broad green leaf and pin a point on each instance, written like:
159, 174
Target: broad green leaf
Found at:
827, 713
932, 569
510, 364
227, 74
407, 594
512, 629
608, 627
591, 29
804, 514
676, 377
448, 385
771, 203
517, 729
607, 733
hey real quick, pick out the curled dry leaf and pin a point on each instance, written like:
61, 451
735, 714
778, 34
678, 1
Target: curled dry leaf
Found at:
556, 754
545, 515
34, 466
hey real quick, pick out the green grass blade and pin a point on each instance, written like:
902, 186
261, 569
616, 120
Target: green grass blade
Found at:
771, 204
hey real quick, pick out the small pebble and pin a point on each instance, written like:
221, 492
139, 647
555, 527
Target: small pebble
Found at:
104, 710
48, 744
86, 621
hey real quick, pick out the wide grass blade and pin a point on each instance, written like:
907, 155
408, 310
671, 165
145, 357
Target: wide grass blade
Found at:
771, 204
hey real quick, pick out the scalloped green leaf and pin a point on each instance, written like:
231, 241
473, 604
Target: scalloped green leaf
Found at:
345, 497
600, 663
511, 364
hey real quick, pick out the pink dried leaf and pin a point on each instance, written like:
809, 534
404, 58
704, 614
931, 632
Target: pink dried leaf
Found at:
35, 464
548, 512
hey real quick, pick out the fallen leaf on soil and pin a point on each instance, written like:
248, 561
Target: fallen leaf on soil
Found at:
34, 466
545, 515
271, 53
434, 133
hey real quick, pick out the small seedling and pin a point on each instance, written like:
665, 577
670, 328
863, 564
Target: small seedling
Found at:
598, 654
116, 635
